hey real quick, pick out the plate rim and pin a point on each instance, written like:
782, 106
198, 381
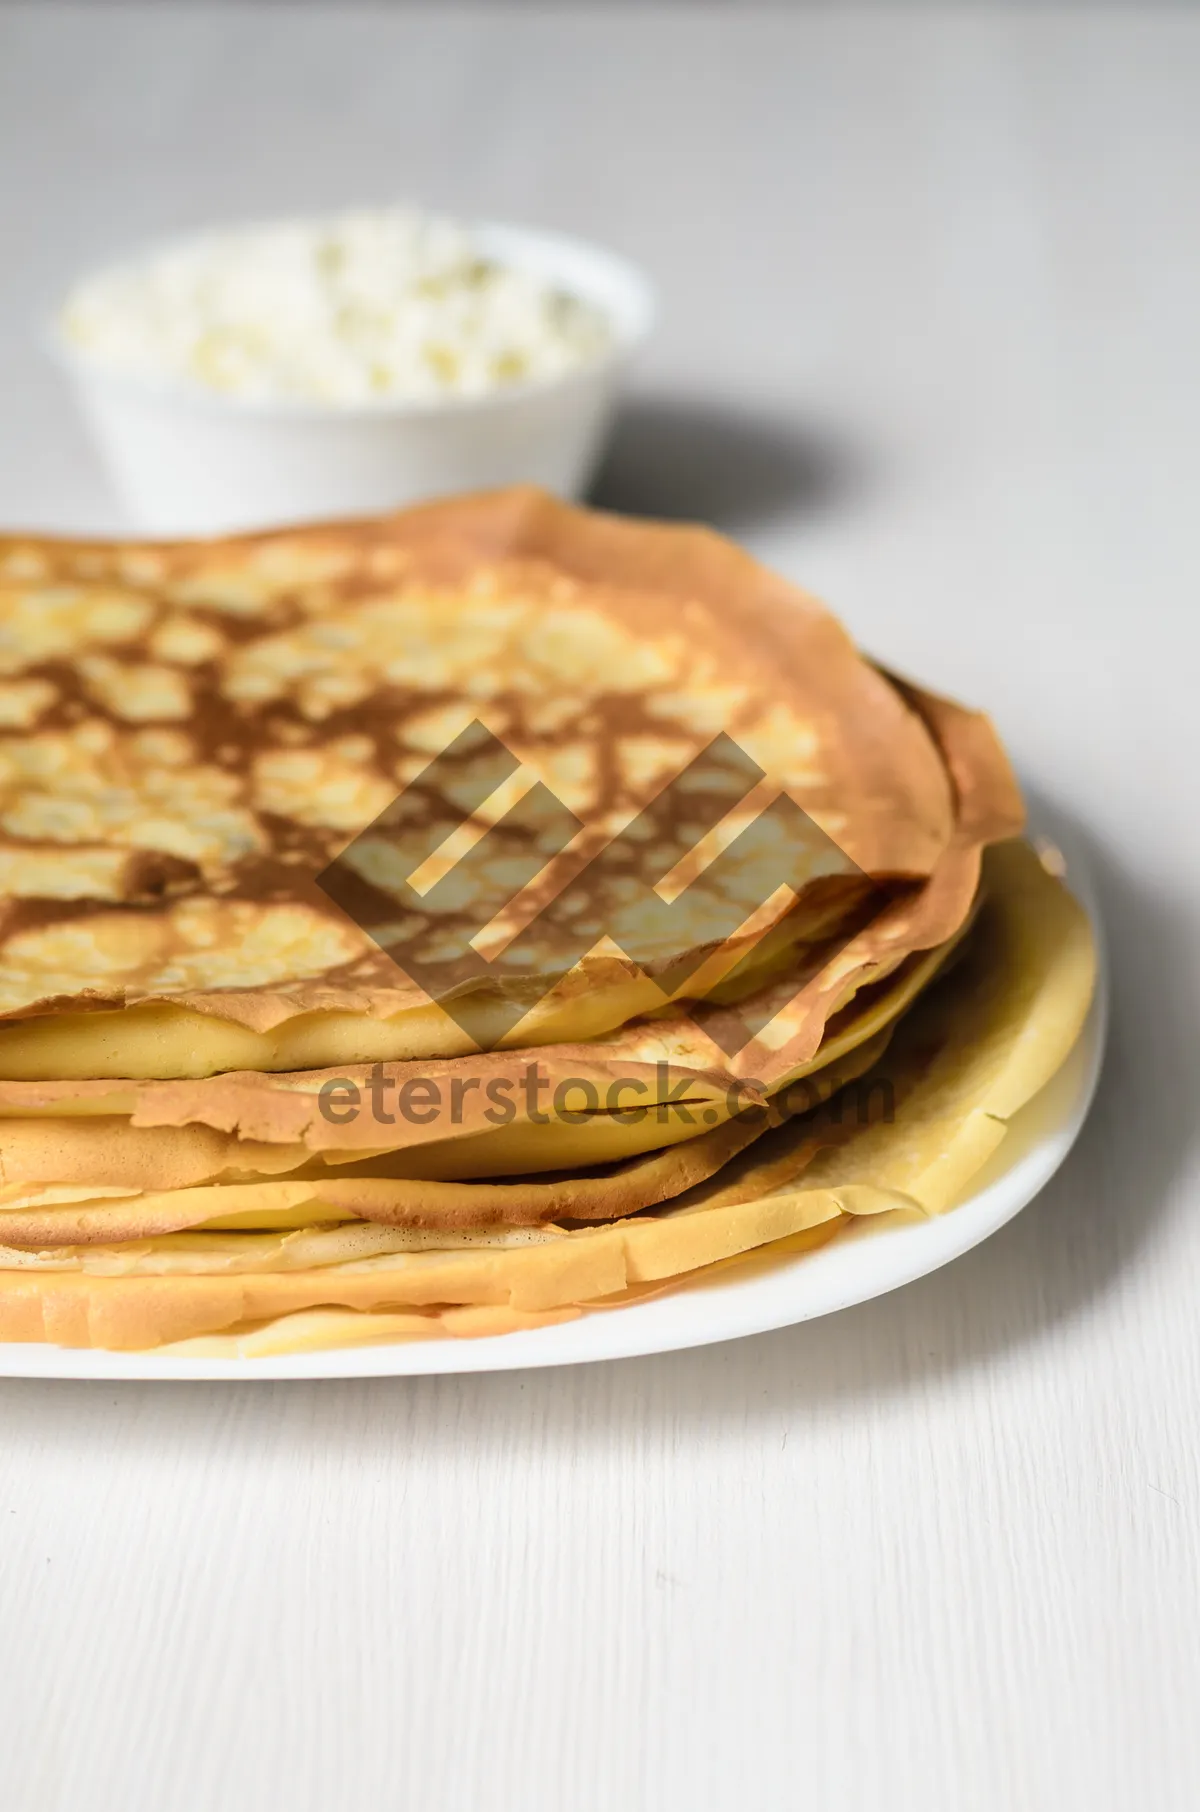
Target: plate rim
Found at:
923, 1247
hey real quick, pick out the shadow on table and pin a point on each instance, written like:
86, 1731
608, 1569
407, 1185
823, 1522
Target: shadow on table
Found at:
686, 459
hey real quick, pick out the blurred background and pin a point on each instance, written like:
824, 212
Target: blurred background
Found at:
928, 278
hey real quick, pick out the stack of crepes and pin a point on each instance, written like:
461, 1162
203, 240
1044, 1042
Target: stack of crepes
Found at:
240, 1116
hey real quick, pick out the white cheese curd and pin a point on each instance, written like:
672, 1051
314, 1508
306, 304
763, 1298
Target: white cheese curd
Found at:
382, 305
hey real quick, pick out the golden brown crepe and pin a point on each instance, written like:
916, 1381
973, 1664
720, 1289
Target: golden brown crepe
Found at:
974, 1048
796, 1008
228, 1115
192, 732
384, 1191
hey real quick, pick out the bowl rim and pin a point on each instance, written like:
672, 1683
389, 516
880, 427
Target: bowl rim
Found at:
620, 288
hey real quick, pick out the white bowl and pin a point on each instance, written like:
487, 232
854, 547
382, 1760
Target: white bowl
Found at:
188, 463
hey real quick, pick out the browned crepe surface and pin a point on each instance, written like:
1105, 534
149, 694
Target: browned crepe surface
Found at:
287, 1108
973, 1050
192, 731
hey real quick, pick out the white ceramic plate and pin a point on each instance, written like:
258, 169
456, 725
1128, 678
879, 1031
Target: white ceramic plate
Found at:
868, 1259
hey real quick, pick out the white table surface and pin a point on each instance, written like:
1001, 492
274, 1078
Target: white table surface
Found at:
931, 341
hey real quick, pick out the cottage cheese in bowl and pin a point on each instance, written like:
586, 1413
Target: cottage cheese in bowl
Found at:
386, 305
321, 367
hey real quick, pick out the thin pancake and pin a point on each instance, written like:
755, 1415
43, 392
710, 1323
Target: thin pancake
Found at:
245, 708
112, 1154
287, 1108
974, 1049
419, 1205
55, 1216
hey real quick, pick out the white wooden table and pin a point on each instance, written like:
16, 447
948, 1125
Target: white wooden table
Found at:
931, 341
